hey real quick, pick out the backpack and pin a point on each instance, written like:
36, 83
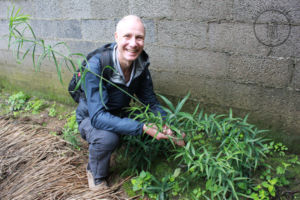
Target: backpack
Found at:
74, 89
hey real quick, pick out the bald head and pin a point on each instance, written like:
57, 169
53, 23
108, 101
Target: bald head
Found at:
129, 19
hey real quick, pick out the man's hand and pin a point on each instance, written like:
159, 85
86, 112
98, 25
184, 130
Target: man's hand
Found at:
168, 131
152, 130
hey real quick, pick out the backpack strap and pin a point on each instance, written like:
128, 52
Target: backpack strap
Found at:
106, 60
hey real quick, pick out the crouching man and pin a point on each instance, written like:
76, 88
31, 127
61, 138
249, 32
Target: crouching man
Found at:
100, 116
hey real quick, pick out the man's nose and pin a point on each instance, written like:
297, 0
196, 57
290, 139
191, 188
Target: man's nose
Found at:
132, 41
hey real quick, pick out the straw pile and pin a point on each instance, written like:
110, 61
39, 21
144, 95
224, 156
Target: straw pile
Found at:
37, 165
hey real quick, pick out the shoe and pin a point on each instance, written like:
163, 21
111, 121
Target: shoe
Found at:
100, 184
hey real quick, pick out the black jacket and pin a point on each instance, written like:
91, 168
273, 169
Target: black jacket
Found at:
106, 111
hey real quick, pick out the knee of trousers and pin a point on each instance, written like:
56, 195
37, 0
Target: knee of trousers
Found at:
107, 141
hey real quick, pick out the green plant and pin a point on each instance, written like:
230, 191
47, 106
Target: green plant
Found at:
53, 133
221, 150
264, 189
52, 111
154, 188
197, 193
35, 106
17, 101
276, 148
70, 131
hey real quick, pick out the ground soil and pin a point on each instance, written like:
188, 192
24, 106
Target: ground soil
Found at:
34, 123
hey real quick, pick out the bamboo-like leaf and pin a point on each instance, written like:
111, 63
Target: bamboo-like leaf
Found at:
33, 57
167, 102
58, 68
25, 54
181, 103
31, 30
233, 189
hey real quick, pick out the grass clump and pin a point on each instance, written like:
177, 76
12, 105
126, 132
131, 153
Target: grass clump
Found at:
17, 101
70, 131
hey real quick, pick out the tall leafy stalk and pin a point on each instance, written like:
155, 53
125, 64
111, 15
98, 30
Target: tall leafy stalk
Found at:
19, 28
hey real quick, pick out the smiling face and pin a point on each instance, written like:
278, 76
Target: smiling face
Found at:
130, 37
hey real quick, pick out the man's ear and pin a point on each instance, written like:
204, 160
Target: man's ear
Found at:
116, 36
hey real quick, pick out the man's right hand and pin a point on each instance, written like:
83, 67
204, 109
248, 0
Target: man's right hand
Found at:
152, 130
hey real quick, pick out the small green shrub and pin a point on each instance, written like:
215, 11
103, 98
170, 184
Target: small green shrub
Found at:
70, 131
17, 101
155, 188
52, 111
35, 106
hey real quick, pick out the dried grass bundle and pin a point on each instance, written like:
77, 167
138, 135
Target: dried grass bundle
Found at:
37, 165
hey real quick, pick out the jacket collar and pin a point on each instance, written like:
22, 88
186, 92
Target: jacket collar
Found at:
140, 64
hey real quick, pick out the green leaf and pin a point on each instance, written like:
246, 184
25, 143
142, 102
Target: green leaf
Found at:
167, 102
176, 172
181, 103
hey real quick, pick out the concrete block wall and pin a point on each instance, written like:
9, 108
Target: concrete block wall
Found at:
208, 47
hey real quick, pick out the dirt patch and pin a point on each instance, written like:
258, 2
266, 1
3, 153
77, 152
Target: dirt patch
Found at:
38, 165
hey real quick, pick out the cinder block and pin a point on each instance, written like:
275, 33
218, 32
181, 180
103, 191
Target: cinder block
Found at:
83, 47
25, 6
76, 9
234, 37
248, 10
44, 28
6, 57
49, 9
272, 101
203, 10
4, 7
279, 101
202, 63
203, 90
291, 47
175, 84
185, 34
162, 58
151, 33
69, 29
152, 9
4, 27
270, 72
240, 96
57, 28
98, 30
108, 9
4, 43
296, 77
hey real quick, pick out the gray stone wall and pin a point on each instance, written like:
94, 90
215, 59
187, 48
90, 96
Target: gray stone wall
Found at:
240, 54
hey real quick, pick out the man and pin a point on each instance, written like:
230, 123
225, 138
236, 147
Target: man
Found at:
100, 116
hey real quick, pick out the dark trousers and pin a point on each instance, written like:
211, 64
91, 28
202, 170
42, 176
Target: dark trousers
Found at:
101, 145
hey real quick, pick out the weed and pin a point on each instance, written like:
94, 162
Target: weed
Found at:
53, 133
35, 106
52, 111
276, 148
154, 188
17, 101
70, 131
